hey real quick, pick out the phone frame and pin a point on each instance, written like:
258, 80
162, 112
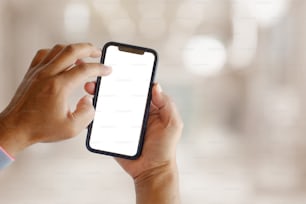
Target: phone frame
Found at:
148, 102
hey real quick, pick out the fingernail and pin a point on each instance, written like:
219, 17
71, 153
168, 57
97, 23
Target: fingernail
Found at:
107, 68
159, 88
89, 98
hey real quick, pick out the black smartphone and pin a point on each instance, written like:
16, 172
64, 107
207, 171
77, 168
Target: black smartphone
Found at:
122, 101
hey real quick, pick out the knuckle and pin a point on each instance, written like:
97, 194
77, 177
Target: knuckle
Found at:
84, 68
58, 46
41, 51
72, 48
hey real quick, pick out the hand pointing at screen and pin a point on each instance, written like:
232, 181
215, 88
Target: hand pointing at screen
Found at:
39, 111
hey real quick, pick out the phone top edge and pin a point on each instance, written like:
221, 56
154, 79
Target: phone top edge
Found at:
131, 46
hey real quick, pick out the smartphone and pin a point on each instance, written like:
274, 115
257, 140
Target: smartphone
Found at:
122, 101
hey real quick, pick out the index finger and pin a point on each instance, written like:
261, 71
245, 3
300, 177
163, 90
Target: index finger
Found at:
70, 54
79, 74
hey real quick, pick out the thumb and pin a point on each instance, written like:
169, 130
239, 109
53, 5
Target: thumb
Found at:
166, 108
84, 112
158, 97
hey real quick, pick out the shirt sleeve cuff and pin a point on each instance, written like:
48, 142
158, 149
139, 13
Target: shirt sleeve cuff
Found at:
5, 158
7, 154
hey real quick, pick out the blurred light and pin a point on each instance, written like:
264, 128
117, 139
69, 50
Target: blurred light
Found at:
281, 174
152, 28
151, 9
267, 12
204, 55
189, 14
116, 19
152, 21
282, 108
122, 29
217, 143
173, 47
76, 18
107, 8
243, 46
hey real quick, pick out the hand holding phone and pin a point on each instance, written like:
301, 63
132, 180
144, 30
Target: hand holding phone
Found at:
155, 171
122, 101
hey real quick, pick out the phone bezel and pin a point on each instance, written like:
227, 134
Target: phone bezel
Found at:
148, 102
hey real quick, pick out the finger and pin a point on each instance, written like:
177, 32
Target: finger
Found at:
79, 74
83, 114
157, 96
153, 108
90, 87
38, 57
54, 51
70, 54
167, 109
79, 61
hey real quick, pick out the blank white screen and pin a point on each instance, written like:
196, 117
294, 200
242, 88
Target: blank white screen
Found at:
121, 102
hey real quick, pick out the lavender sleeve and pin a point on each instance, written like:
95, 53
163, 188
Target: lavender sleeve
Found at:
5, 158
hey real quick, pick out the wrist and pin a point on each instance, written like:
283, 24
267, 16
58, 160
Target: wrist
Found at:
158, 185
168, 168
13, 138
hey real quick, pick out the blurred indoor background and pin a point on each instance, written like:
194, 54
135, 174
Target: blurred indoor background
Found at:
236, 69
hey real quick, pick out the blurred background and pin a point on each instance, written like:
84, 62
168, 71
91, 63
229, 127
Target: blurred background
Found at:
235, 68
